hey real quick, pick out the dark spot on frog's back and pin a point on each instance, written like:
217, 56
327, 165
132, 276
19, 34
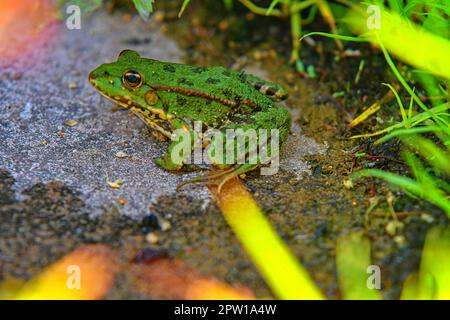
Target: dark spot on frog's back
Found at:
169, 68
181, 101
212, 81
198, 69
226, 73
185, 81
227, 92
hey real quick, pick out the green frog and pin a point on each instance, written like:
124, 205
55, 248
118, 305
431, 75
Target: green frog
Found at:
170, 97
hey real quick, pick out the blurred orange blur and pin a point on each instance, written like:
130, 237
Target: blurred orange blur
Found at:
23, 25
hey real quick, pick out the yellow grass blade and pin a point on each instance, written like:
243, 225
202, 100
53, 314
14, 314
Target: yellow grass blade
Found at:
279, 267
407, 41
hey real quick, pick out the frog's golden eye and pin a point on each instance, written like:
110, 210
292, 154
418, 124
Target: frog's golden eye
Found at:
132, 79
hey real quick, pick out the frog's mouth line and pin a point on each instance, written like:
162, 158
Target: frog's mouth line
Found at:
117, 99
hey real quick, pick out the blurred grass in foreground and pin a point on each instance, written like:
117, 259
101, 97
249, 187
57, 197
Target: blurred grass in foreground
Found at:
432, 281
352, 259
166, 278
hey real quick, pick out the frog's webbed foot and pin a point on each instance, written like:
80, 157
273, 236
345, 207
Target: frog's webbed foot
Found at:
209, 178
220, 178
167, 164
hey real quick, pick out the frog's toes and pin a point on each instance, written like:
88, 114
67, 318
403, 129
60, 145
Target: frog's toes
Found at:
167, 165
211, 178
159, 136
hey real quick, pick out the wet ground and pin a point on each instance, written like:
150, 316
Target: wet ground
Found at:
54, 191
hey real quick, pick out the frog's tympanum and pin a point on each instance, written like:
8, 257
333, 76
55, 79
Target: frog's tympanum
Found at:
169, 96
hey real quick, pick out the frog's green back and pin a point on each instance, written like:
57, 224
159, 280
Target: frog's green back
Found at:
216, 81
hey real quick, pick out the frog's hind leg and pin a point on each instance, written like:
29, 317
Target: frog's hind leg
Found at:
273, 90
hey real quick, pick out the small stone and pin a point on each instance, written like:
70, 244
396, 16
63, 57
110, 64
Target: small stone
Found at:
122, 201
165, 226
348, 184
73, 85
400, 240
393, 227
116, 184
71, 123
427, 218
121, 154
152, 238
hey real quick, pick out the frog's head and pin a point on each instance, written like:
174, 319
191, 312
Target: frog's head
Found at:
123, 81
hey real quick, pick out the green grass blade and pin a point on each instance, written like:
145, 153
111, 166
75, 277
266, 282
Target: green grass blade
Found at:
144, 7
437, 198
399, 102
183, 7
334, 36
272, 6
429, 151
408, 131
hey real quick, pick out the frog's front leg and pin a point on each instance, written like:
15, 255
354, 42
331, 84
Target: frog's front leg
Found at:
272, 118
179, 149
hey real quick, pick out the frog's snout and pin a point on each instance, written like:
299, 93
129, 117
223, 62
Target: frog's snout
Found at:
92, 76
96, 78
98, 73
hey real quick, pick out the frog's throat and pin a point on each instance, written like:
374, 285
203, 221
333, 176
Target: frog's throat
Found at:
146, 117
194, 93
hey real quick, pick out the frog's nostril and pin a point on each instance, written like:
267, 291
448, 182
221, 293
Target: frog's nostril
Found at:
92, 76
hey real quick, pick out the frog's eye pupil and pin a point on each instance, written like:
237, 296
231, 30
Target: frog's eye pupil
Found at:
132, 78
